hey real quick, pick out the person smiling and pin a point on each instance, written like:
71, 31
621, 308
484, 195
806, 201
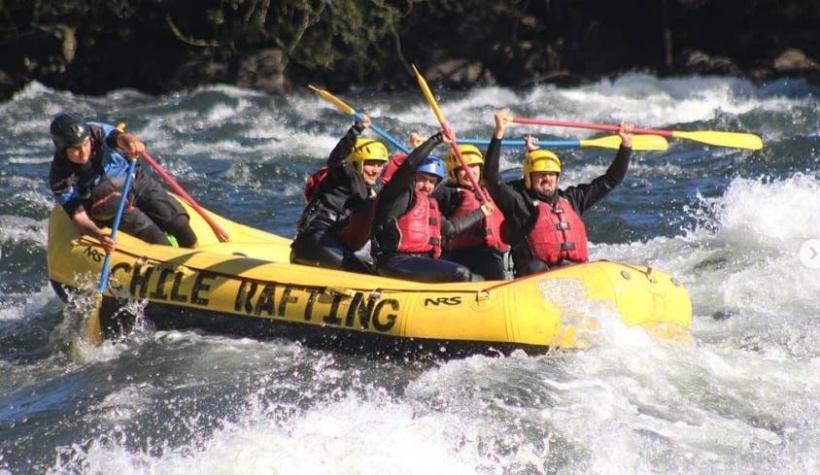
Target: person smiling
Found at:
337, 219
480, 248
542, 221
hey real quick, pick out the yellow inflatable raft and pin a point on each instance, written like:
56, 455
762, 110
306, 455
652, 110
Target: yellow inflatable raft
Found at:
248, 287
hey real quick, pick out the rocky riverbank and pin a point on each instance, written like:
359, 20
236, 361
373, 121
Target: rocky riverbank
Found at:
91, 47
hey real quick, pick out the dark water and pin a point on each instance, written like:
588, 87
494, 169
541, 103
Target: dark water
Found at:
729, 224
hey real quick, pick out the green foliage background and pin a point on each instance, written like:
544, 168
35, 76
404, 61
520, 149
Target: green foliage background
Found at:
159, 45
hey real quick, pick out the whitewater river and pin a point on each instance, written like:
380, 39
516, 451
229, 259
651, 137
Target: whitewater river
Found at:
743, 397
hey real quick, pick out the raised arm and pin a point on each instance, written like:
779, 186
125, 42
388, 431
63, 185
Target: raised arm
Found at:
507, 199
584, 196
346, 144
405, 174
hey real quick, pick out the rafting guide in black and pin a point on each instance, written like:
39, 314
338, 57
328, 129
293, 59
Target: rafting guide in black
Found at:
87, 176
543, 222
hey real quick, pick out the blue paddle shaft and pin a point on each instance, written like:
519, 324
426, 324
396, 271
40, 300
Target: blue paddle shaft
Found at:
106, 267
386, 136
396, 143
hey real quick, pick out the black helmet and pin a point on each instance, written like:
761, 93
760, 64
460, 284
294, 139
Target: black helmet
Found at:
68, 130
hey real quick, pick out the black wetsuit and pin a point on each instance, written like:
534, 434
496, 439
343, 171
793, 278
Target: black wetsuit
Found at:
153, 211
340, 194
485, 261
397, 198
516, 202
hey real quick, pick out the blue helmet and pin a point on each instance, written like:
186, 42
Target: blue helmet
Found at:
433, 166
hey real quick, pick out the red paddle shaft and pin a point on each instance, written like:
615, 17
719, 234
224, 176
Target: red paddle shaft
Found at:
590, 126
220, 233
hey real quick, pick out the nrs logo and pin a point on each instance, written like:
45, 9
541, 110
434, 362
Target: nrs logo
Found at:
449, 301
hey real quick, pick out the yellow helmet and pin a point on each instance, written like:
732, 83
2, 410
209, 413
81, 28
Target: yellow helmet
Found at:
540, 161
471, 154
367, 149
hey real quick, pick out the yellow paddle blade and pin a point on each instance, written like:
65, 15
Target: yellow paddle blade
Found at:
428, 94
447, 131
639, 142
649, 143
93, 327
723, 139
610, 141
340, 104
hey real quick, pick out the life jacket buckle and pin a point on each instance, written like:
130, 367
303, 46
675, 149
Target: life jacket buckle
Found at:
567, 246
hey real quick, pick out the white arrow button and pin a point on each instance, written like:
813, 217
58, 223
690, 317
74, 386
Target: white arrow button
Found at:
810, 253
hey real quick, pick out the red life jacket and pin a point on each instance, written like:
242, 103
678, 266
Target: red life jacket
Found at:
420, 227
358, 229
559, 234
313, 182
356, 232
489, 234
319, 175
395, 162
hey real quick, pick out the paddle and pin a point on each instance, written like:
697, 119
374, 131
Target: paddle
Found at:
347, 109
639, 142
448, 132
220, 233
93, 327
710, 137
